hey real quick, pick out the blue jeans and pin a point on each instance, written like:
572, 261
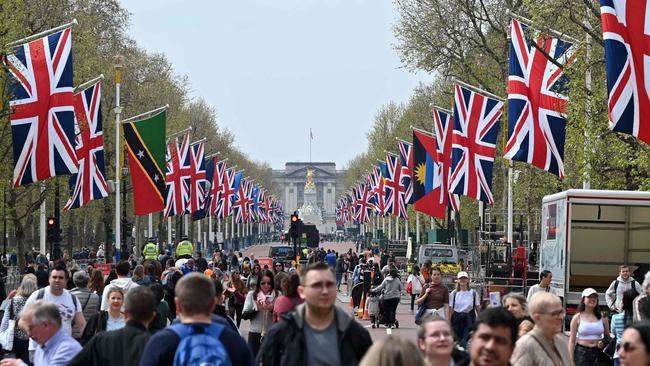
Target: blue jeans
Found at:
339, 277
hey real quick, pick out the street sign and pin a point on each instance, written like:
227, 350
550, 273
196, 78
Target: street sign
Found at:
265, 261
398, 247
105, 267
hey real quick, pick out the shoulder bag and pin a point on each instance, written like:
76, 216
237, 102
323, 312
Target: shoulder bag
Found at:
7, 337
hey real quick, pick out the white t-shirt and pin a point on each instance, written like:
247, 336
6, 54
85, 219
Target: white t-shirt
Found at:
535, 289
463, 301
68, 305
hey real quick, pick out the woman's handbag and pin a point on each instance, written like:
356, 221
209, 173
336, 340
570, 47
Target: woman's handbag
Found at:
7, 337
248, 314
409, 288
610, 347
422, 309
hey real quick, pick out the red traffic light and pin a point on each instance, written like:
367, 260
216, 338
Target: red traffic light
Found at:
51, 221
294, 218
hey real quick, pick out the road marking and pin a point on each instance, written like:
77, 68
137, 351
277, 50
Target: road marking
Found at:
389, 331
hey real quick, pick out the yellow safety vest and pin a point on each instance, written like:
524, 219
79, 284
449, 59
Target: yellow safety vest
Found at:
150, 251
184, 248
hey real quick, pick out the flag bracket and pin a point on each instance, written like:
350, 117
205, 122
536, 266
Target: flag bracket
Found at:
199, 141
150, 113
530, 23
428, 133
42, 34
455, 80
431, 105
189, 129
88, 83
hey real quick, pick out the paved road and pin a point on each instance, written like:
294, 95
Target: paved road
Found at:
407, 327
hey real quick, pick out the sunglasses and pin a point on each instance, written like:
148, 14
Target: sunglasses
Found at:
626, 346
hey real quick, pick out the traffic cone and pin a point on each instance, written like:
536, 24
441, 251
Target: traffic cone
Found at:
362, 306
365, 313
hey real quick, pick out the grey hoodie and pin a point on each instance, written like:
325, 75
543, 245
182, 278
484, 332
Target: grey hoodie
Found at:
614, 294
123, 283
392, 288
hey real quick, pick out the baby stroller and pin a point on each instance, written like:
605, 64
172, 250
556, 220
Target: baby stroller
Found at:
380, 318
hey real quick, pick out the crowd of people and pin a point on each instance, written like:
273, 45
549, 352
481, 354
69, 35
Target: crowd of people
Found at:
188, 311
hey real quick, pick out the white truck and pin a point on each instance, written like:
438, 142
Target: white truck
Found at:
587, 234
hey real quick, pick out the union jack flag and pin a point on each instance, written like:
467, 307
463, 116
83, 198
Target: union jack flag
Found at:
232, 182
377, 189
259, 208
217, 189
626, 35
197, 177
42, 108
207, 196
241, 205
339, 213
177, 179
443, 127
89, 182
364, 203
536, 119
395, 189
406, 160
476, 125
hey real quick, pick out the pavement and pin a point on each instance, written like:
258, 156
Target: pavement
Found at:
405, 316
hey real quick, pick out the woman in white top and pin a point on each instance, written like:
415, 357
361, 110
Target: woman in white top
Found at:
464, 305
544, 285
417, 281
588, 328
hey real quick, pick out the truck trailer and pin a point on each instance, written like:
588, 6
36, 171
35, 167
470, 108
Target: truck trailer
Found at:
587, 234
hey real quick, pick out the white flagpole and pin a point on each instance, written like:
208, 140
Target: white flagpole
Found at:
200, 235
510, 182
186, 227
118, 111
406, 229
397, 228
417, 227
42, 222
169, 231
150, 225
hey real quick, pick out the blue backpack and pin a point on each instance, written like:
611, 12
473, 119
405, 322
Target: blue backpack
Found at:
200, 346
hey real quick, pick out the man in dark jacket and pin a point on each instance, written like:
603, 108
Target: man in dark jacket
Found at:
315, 326
123, 346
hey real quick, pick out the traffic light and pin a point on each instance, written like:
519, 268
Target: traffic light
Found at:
294, 229
53, 231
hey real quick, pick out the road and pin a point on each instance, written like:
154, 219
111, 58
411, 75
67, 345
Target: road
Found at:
407, 327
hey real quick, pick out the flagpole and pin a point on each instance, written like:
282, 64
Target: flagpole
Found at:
528, 22
150, 225
169, 231
200, 235
586, 181
310, 145
146, 114
397, 228
118, 110
42, 34
510, 214
477, 89
42, 221
417, 227
88, 83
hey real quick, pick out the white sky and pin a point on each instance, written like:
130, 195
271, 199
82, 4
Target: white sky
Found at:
275, 68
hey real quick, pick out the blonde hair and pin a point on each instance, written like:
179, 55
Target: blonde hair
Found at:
542, 300
393, 351
27, 286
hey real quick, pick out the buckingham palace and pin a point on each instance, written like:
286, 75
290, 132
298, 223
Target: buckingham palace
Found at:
329, 183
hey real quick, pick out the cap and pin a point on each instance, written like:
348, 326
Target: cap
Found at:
588, 292
462, 274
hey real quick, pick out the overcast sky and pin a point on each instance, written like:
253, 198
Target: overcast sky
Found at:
273, 69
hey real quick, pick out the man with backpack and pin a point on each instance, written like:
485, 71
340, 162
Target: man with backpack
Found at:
124, 346
196, 340
624, 282
68, 304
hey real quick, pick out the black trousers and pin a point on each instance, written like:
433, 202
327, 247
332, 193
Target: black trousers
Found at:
254, 343
389, 308
589, 356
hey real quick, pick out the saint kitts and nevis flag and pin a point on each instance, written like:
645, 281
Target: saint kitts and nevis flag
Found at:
146, 147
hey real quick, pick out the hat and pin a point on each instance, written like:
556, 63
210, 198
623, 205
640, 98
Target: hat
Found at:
588, 292
462, 274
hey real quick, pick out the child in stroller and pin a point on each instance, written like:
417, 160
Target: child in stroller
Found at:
376, 309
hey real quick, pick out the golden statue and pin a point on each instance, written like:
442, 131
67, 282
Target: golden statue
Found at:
309, 181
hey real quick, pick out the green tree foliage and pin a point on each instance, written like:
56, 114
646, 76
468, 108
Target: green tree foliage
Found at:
468, 39
148, 81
